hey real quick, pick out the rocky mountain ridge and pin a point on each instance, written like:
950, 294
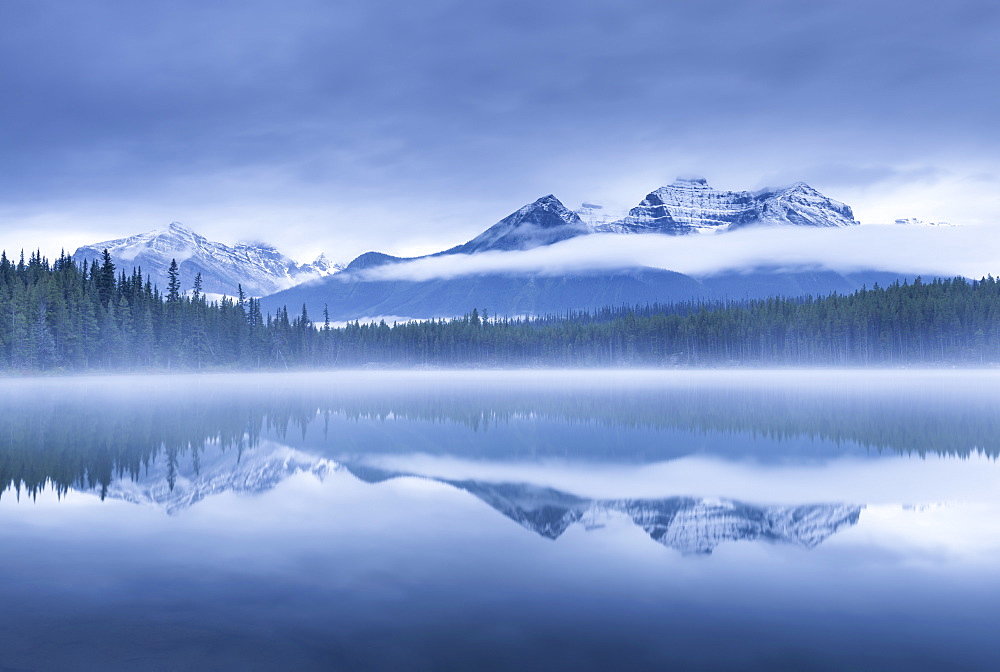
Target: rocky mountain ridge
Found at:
258, 267
689, 205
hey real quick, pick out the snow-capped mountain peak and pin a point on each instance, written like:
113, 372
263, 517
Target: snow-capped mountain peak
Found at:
259, 268
323, 263
691, 525
543, 222
802, 205
690, 205
176, 487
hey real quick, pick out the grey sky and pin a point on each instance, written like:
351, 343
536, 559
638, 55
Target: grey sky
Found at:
410, 127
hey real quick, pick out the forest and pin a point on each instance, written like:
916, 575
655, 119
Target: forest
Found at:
58, 437
61, 317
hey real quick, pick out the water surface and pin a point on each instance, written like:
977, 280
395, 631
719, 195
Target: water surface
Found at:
501, 520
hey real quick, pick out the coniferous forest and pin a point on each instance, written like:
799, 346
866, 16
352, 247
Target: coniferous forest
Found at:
77, 441
61, 317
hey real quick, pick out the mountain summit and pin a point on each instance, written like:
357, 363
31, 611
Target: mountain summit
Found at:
689, 205
543, 222
258, 267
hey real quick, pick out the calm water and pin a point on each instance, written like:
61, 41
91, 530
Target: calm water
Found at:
501, 520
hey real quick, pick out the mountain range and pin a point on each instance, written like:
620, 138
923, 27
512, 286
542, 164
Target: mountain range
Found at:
690, 525
258, 268
688, 206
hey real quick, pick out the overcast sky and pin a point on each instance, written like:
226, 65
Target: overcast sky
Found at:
409, 127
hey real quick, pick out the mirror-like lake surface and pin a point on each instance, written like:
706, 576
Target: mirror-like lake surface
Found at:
502, 520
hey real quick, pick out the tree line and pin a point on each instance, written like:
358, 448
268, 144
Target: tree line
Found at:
62, 316
64, 439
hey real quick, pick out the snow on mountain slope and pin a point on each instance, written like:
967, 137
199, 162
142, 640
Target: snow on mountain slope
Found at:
177, 485
800, 205
543, 222
689, 205
544, 511
258, 267
690, 525
695, 525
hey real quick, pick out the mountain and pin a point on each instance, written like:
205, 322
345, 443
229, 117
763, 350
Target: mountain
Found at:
697, 525
259, 268
689, 205
691, 525
177, 485
543, 222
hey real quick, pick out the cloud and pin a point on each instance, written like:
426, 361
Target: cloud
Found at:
415, 113
931, 251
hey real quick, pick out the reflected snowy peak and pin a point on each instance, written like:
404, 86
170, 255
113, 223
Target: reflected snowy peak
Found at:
691, 525
175, 487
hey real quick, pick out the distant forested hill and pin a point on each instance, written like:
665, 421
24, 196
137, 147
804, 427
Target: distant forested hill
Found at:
64, 317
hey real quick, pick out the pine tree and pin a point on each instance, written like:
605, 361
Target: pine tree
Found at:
173, 283
105, 279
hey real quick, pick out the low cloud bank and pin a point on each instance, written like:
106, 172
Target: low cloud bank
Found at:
931, 251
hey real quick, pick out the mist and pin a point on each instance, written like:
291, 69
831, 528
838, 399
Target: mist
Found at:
925, 250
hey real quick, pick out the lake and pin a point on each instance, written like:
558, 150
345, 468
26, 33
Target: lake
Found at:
501, 520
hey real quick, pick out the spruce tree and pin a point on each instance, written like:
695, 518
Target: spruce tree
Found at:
105, 279
173, 283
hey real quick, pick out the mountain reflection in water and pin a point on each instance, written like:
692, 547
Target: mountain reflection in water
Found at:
690, 525
687, 524
502, 520
86, 432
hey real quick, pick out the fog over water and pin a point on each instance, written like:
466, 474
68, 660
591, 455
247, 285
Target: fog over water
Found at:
932, 251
